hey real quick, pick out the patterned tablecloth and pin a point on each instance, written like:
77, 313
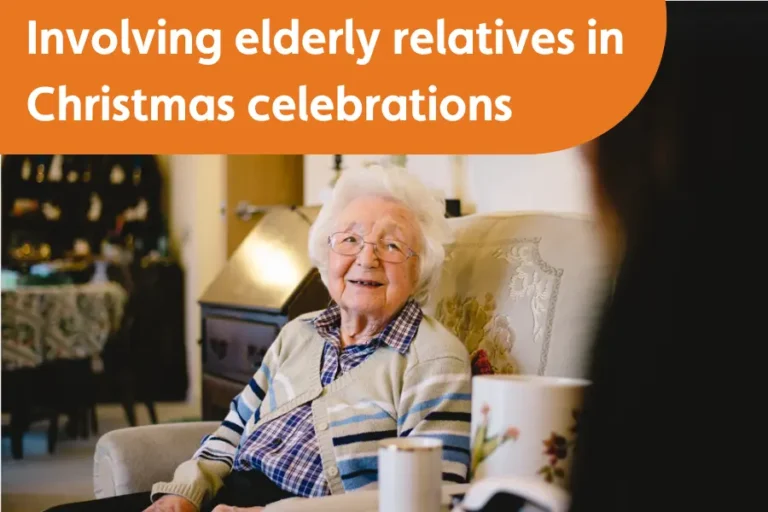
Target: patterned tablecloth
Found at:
43, 323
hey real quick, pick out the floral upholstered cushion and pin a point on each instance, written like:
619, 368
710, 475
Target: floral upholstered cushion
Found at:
486, 334
481, 364
522, 291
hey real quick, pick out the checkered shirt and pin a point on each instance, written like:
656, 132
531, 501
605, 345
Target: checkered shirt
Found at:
286, 449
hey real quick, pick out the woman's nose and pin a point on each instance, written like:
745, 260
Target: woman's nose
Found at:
367, 256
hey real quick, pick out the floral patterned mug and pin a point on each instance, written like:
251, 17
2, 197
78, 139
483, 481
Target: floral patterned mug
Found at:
525, 426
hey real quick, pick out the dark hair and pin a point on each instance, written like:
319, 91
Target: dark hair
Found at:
693, 125
680, 171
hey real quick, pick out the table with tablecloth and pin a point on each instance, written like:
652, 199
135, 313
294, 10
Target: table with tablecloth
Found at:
46, 323
51, 337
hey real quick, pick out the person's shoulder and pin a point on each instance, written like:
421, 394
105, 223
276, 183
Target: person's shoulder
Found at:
298, 331
434, 341
304, 320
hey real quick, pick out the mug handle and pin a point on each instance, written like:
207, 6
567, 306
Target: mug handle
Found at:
547, 497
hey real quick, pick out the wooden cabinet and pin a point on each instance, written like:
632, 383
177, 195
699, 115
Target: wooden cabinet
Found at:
260, 180
268, 281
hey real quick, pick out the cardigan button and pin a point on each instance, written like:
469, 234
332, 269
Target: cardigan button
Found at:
323, 426
333, 471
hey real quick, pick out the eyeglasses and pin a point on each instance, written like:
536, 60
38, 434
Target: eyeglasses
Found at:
386, 249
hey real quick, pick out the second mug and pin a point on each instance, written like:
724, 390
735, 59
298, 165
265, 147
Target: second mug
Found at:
525, 425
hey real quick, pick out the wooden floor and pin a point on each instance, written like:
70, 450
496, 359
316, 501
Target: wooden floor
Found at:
40, 480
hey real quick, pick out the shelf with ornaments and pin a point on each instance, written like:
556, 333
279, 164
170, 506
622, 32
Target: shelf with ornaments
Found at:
60, 206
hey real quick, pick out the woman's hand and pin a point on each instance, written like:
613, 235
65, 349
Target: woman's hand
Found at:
171, 503
227, 508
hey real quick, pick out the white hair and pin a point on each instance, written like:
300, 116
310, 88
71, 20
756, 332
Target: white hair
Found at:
397, 184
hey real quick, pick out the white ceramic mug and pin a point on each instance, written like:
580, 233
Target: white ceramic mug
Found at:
525, 426
410, 474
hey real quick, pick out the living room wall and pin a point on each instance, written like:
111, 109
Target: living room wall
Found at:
485, 183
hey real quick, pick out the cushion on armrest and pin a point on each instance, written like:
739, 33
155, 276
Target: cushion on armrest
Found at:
131, 460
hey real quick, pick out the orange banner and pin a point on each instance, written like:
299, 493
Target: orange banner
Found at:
403, 76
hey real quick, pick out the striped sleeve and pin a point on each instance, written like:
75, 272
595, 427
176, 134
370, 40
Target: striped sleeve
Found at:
221, 445
436, 402
201, 477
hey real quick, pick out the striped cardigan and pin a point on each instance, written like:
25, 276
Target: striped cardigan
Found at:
426, 392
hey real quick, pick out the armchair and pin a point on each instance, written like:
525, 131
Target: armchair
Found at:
522, 290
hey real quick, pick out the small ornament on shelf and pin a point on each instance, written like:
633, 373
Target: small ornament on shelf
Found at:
26, 170
94, 212
137, 173
56, 173
117, 175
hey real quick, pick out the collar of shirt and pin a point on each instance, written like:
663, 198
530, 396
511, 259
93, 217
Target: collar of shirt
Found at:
398, 334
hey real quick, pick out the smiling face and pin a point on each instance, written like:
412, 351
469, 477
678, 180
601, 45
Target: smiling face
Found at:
364, 284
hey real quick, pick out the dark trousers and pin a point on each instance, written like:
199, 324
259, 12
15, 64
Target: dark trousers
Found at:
241, 489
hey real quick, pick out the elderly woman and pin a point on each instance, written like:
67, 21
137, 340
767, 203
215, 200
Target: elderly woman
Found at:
371, 366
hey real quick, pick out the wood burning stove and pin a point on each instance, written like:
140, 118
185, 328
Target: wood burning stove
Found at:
268, 281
